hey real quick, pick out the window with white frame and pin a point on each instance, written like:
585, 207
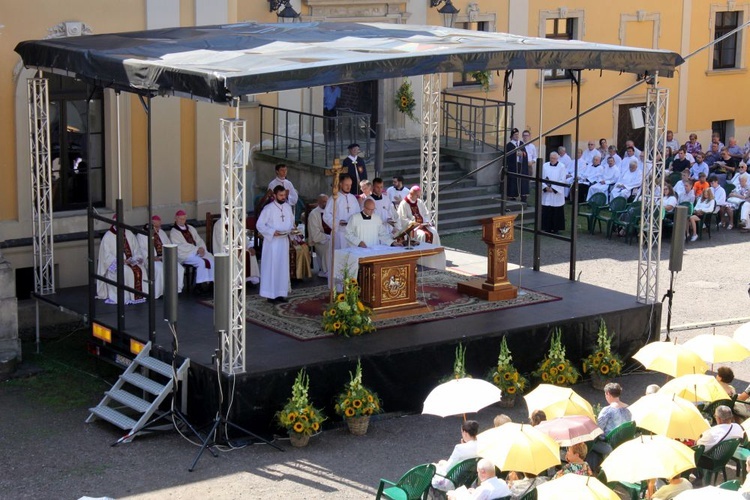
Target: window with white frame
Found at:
726, 51
466, 79
559, 29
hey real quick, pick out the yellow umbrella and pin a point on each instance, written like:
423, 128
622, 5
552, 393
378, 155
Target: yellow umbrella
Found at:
518, 447
717, 348
575, 486
668, 415
557, 402
647, 457
669, 358
695, 388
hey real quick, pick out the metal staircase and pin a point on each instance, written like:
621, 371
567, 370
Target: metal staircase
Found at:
133, 401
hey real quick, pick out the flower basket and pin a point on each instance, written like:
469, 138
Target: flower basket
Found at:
347, 315
358, 425
603, 364
506, 377
356, 403
300, 418
556, 368
405, 101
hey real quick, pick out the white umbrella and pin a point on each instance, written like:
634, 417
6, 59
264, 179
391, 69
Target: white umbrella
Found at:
460, 396
712, 492
574, 486
646, 457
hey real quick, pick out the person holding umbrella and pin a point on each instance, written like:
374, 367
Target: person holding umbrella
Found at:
464, 450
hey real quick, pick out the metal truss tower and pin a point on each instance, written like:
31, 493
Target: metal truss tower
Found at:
429, 168
653, 184
41, 186
234, 212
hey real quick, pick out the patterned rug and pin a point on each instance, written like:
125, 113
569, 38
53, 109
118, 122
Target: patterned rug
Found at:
300, 318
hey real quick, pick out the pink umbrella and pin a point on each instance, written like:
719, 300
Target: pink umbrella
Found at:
570, 429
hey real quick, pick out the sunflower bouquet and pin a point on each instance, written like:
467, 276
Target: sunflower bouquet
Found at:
603, 362
556, 368
505, 376
347, 315
356, 400
298, 415
404, 101
459, 365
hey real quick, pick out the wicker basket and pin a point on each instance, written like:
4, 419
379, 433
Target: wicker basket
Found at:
507, 400
358, 425
299, 440
598, 381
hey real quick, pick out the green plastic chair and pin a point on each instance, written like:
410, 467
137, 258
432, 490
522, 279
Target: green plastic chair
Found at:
462, 474
611, 214
620, 434
715, 460
698, 449
634, 209
740, 456
674, 178
633, 490
709, 409
733, 485
590, 209
412, 486
531, 495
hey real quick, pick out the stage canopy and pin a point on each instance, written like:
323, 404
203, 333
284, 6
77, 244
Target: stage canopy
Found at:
219, 63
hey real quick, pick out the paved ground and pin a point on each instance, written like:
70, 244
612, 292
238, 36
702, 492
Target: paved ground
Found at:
50, 453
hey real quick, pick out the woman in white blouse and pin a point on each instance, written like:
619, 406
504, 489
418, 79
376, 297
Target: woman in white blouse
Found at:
706, 205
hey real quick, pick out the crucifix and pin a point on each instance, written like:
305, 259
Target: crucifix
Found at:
335, 171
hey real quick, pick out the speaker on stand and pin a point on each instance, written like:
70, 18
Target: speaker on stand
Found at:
676, 250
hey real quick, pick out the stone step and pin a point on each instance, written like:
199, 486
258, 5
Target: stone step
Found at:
414, 165
454, 224
468, 192
476, 201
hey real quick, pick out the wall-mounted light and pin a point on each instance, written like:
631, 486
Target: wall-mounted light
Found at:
447, 11
284, 11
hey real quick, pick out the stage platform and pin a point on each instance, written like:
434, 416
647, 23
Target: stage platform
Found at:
402, 363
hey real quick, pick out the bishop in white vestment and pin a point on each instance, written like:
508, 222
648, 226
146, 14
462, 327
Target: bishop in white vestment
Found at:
160, 239
275, 222
191, 249
413, 209
135, 272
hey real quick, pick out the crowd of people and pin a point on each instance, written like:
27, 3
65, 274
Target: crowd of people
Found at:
585, 458
713, 181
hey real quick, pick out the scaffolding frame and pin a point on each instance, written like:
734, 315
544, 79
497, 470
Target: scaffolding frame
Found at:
429, 166
234, 212
657, 115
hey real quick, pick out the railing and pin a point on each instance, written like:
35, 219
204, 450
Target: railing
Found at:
313, 139
474, 124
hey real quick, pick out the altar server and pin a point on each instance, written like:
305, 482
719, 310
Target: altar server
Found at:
135, 273
275, 223
365, 229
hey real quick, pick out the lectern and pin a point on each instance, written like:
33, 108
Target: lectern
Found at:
497, 232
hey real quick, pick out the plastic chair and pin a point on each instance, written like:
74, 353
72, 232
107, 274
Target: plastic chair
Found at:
620, 434
594, 204
611, 213
462, 474
715, 460
709, 409
740, 456
412, 485
633, 490
627, 218
698, 449
531, 495
674, 178
733, 485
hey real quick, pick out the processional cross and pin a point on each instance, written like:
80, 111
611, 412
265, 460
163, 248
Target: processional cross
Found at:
335, 171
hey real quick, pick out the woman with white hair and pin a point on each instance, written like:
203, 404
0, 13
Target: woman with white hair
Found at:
736, 198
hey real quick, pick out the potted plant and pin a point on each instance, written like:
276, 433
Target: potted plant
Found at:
556, 368
603, 364
356, 403
459, 365
506, 377
300, 418
347, 315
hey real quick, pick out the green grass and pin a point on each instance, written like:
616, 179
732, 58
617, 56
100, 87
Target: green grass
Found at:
68, 377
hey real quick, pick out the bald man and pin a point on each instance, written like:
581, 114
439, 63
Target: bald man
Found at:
366, 229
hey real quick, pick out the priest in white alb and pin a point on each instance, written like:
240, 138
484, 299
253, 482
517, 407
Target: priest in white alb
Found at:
319, 234
135, 272
281, 180
346, 206
160, 239
413, 209
384, 206
275, 222
610, 174
629, 181
366, 230
191, 249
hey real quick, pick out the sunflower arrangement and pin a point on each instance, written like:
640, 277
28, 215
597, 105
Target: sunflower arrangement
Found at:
347, 315
603, 362
505, 376
356, 400
404, 100
556, 368
298, 415
459, 365
483, 79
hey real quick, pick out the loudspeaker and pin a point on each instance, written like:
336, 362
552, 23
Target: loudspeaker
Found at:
170, 283
677, 247
222, 303
636, 117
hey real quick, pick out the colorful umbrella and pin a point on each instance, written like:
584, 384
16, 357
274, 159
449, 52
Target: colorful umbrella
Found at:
717, 348
669, 358
460, 396
557, 402
695, 388
668, 415
575, 486
570, 429
647, 457
518, 447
